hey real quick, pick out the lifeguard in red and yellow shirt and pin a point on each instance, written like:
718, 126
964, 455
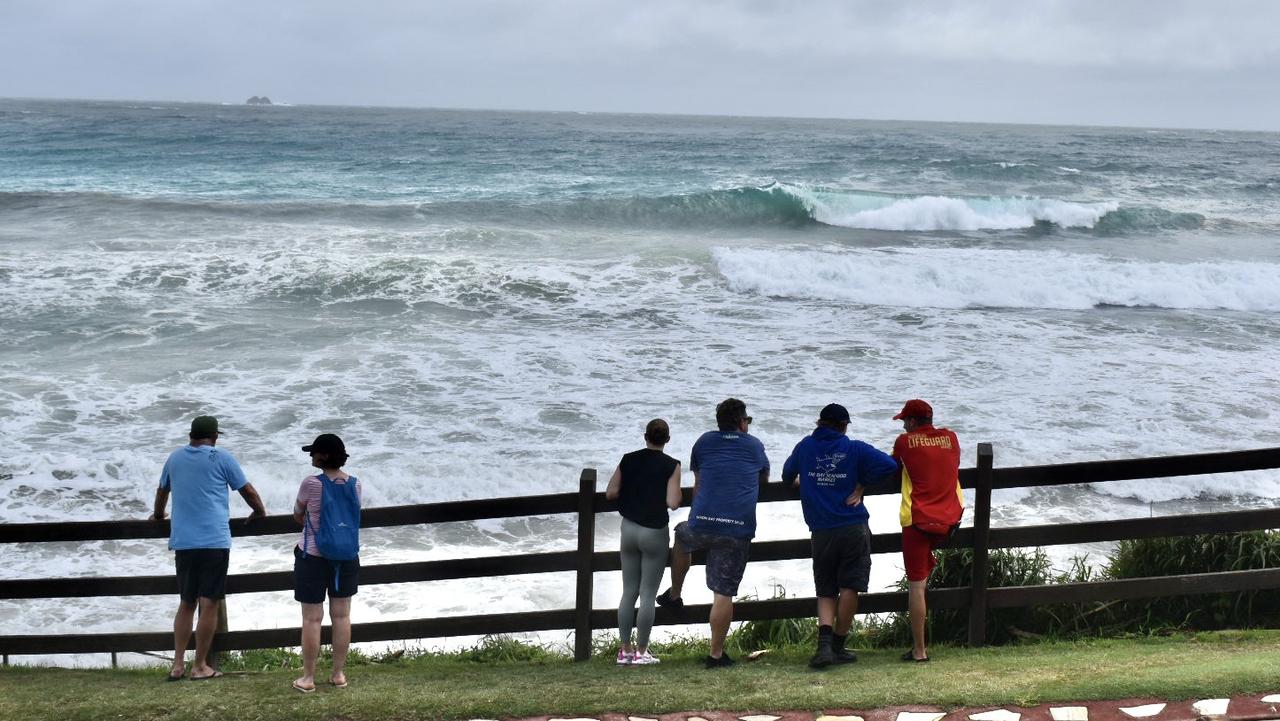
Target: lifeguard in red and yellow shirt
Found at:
932, 503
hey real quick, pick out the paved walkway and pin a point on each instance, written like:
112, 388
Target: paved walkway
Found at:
1236, 708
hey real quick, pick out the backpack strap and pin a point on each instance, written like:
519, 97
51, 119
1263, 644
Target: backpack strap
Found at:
306, 515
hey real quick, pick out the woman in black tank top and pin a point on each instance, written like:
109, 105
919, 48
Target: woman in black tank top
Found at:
645, 485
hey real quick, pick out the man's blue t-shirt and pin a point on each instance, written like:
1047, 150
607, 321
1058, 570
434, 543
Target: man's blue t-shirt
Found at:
830, 465
198, 478
728, 465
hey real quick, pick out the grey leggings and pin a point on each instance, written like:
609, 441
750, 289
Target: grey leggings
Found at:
644, 556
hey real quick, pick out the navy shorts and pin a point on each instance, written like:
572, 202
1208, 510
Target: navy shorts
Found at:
314, 576
841, 559
726, 557
202, 573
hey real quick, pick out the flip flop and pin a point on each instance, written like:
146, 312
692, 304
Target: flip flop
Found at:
910, 655
303, 689
179, 677
215, 674
338, 685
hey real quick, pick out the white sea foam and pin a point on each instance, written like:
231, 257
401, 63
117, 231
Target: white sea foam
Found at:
932, 213
988, 278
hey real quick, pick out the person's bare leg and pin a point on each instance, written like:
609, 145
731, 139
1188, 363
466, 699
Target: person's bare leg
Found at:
680, 563
340, 617
826, 611
206, 626
182, 621
721, 617
846, 610
312, 617
916, 610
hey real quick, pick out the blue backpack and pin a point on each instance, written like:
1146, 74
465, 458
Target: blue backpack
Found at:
338, 538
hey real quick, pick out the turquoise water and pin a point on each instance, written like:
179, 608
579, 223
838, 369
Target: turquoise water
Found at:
483, 303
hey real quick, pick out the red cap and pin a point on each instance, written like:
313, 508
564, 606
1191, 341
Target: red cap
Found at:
915, 408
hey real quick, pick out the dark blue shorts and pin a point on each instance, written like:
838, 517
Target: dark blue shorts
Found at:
726, 557
314, 576
202, 573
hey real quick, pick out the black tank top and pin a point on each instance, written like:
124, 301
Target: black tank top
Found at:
642, 497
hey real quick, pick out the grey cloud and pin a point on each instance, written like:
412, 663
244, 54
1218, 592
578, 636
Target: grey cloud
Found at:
946, 59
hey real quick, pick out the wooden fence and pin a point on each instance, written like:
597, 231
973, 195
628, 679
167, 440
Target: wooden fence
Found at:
586, 560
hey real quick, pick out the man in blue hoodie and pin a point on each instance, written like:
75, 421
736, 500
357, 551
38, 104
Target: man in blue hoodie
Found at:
831, 471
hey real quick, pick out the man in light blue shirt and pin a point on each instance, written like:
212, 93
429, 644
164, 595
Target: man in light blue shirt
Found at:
198, 476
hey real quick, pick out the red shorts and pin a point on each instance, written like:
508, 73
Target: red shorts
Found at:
917, 552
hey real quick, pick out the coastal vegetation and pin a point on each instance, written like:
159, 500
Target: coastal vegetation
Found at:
1143, 558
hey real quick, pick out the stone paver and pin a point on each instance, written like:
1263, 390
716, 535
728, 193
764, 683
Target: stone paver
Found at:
1211, 706
1144, 711
1254, 707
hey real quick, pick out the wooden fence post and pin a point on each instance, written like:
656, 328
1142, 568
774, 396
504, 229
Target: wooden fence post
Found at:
216, 656
586, 548
981, 543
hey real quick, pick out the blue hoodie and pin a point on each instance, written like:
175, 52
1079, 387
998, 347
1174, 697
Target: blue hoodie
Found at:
830, 465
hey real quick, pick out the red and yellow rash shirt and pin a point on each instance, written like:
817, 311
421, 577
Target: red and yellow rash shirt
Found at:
931, 492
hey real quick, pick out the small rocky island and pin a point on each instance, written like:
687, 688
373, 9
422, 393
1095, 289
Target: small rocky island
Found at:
255, 100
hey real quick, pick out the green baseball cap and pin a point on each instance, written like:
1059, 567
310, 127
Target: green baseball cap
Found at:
204, 427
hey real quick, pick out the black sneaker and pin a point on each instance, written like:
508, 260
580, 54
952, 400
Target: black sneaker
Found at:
723, 662
823, 658
843, 655
666, 601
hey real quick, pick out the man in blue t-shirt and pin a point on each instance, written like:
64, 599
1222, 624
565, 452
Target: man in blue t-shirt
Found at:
198, 476
729, 467
831, 472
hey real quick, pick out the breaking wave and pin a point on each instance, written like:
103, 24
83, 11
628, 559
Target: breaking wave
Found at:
777, 204
983, 278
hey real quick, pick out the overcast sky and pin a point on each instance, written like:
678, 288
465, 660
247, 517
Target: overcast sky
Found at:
1169, 63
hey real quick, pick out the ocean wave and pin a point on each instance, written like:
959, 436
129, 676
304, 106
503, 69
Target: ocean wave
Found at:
984, 278
777, 204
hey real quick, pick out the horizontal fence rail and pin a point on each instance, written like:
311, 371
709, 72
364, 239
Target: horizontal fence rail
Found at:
585, 561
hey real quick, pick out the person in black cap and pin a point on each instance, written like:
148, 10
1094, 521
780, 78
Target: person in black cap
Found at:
831, 472
198, 476
326, 559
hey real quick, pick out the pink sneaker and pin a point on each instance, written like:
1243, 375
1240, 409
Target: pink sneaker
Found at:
645, 659
625, 658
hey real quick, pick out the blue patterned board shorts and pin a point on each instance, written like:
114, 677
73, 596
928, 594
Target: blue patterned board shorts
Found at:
726, 557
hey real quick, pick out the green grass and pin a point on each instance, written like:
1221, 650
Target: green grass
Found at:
505, 681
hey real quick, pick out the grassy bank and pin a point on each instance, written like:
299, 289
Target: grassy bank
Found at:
457, 686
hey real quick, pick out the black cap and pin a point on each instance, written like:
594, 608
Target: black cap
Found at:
204, 427
326, 443
834, 412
